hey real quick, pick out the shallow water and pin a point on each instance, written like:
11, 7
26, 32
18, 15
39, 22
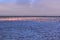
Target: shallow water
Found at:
29, 30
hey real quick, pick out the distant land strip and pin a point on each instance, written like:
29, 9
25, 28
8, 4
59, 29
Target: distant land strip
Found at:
36, 18
26, 16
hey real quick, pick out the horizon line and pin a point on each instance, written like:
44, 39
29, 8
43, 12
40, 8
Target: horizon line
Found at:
28, 16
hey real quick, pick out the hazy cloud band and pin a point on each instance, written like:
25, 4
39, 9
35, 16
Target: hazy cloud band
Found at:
24, 8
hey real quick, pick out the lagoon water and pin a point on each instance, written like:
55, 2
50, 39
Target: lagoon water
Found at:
29, 30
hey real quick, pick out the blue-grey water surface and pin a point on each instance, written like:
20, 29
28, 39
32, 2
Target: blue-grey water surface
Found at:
29, 30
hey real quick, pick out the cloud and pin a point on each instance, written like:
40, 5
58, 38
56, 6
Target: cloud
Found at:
40, 8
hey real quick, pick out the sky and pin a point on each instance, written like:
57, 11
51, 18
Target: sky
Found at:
30, 8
